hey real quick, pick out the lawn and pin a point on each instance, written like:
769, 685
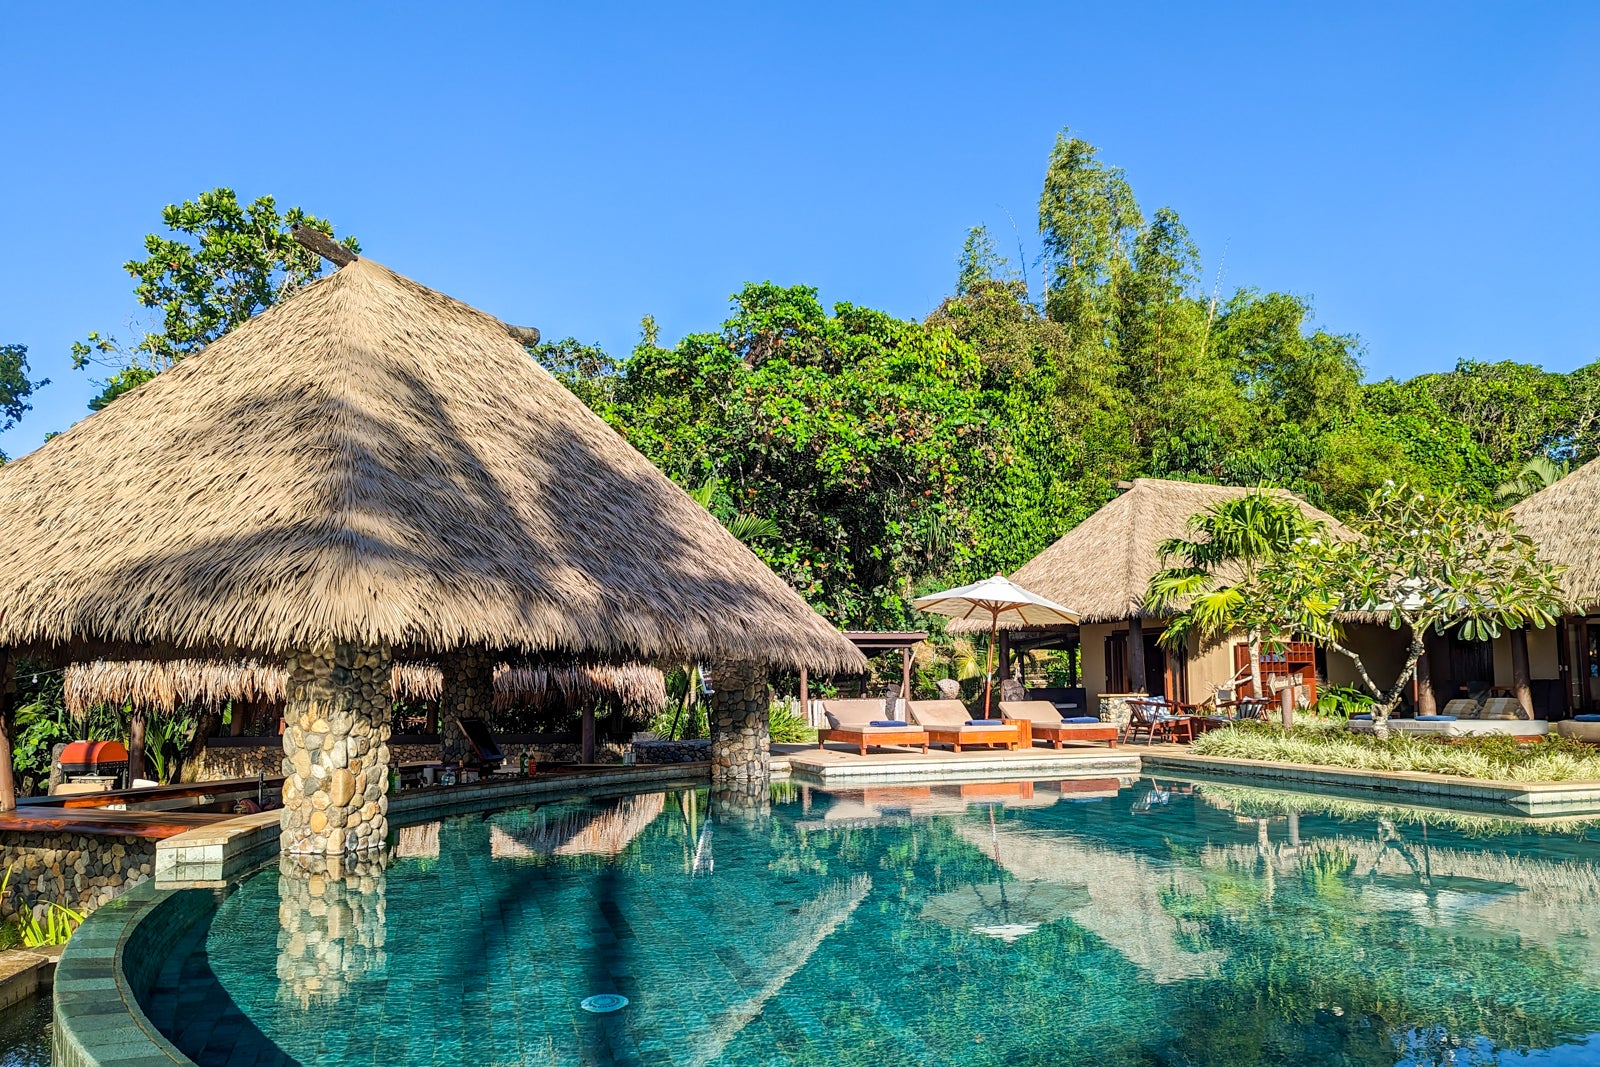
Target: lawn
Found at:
1329, 743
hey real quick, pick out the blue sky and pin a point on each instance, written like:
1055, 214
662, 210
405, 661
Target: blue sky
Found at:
1426, 173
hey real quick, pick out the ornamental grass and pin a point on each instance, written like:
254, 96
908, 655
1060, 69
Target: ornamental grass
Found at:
1329, 743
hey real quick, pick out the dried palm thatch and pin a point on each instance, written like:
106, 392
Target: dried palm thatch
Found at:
165, 684
1564, 521
1103, 566
574, 832
370, 461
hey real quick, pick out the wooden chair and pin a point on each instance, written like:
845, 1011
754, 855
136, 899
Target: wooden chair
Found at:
1156, 717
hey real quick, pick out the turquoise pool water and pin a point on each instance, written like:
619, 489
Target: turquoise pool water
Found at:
1112, 923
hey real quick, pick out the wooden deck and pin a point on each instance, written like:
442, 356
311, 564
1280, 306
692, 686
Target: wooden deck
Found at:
99, 822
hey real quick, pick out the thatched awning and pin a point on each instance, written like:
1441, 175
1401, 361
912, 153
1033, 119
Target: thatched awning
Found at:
1564, 521
163, 685
372, 462
1103, 566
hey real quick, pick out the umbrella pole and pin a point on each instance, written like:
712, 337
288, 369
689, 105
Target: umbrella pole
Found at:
988, 676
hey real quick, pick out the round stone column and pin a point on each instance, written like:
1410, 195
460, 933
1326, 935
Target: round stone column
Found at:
336, 751
739, 728
468, 693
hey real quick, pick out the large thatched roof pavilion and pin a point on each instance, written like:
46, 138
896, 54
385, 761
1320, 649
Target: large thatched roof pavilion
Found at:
367, 471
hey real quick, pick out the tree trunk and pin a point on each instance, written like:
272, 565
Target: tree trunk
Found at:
136, 758
1256, 689
1391, 700
1521, 679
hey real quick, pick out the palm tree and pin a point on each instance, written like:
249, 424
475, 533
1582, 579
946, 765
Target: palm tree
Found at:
747, 528
1538, 473
1208, 584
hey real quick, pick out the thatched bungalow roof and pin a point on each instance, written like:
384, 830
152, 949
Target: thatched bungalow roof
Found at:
1103, 566
370, 461
165, 684
1564, 521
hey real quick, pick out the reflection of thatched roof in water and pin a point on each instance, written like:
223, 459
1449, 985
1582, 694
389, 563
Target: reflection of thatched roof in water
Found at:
417, 842
579, 832
1564, 521
1124, 908
165, 684
372, 462
1103, 566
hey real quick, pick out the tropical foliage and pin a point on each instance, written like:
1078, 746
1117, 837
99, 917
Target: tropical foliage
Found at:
220, 262
1212, 586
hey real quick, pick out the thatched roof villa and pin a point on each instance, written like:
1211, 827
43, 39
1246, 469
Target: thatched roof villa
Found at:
1564, 664
372, 471
1103, 566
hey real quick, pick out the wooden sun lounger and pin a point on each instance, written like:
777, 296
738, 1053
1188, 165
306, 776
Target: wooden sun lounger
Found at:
1044, 724
947, 724
850, 721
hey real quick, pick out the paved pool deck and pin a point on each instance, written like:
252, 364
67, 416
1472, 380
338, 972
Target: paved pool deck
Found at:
841, 763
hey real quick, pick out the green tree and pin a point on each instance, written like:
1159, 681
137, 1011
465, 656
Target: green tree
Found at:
15, 387
1211, 584
1427, 563
221, 263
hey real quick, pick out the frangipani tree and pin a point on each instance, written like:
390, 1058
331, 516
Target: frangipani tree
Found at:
1426, 562
1211, 585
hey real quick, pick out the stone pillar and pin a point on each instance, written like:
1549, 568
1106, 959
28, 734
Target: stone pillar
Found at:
738, 714
468, 693
336, 751
331, 926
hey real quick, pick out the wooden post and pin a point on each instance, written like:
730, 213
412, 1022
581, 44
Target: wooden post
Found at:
588, 734
1438, 654
805, 695
8, 785
905, 678
1137, 675
136, 745
1521, 680
1427, 704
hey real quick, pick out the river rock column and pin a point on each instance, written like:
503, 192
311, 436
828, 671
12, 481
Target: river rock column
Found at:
739, 727
468, 693
336, 751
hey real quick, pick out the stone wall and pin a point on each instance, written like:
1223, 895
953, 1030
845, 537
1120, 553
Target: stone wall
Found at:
740, 749
671, 751
336, 751
76, 870
224, 761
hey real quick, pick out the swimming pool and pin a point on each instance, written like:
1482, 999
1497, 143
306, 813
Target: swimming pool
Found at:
1134, 921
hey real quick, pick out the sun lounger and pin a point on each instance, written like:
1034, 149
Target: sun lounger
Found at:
486, 754
949, 723
1046, 724
861, 723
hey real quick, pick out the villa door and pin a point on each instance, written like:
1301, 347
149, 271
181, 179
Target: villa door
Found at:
1589, 664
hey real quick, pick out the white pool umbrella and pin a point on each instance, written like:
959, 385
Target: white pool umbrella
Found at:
996, 597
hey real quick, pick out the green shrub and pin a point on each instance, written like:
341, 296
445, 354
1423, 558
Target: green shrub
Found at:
788, 727
1329, 743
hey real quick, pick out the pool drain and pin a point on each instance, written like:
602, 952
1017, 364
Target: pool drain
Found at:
601, 1003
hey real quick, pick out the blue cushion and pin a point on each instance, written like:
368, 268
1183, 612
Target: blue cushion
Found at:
1436, 718
1364, 715
984, 722
887, 722
1586, 718
1081, 719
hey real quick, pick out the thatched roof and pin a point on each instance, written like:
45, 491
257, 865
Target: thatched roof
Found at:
1564, 521
1103, 566
165, 684
370, 461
